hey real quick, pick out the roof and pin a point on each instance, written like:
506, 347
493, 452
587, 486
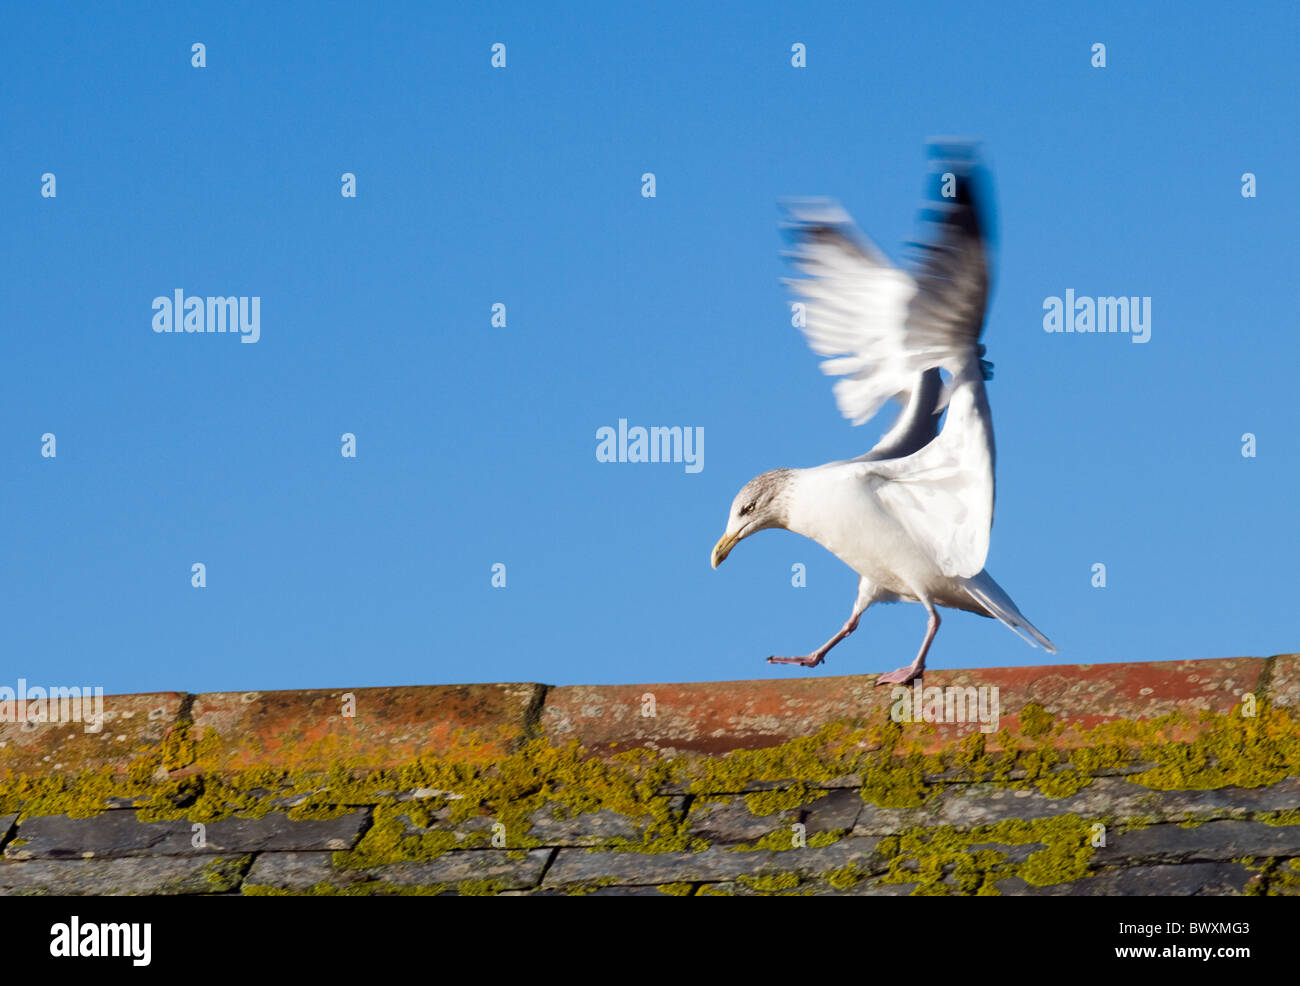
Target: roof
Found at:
1178, 777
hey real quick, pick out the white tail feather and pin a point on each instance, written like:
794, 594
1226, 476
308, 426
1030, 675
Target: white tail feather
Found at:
991, 596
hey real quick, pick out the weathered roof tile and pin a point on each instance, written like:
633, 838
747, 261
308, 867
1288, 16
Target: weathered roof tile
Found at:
120, 833
131, 723
1165, 880
576, 866
1284, 685
129, 875
371, 727
300, 871
706, 717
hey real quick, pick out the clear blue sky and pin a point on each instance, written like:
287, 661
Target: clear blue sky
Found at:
476, 445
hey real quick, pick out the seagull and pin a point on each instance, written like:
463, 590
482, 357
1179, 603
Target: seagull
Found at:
912, 516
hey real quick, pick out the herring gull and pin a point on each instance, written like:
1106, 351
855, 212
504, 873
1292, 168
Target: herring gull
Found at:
912, 516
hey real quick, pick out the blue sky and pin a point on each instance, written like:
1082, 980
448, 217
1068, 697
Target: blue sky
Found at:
476, 444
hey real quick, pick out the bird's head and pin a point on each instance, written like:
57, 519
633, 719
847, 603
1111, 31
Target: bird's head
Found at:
760, 504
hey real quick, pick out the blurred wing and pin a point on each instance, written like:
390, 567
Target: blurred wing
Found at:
883, 328
855, 308
953, 266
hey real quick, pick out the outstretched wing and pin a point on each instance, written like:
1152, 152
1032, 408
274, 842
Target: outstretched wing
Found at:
882, 328
887, 334
954, 265
855, 308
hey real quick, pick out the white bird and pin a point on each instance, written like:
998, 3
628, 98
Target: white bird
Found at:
912, 516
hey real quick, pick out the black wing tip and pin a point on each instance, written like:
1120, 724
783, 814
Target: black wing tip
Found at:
960, 189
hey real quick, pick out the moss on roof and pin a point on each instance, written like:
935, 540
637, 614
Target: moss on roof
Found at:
181, 778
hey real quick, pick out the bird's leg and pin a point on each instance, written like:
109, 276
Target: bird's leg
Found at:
914, 670
819, 655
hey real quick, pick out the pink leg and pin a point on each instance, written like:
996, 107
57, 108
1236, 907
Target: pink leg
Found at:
914, 670
819, 655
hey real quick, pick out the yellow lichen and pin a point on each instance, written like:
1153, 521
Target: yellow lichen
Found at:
846, 877
677, 889
769, 884
770, 802
364, 888
1035, 721
479, 888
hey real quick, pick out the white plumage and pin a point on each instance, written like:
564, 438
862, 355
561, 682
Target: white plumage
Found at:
912, 516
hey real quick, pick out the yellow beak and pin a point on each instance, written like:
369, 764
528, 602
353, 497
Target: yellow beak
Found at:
723, 548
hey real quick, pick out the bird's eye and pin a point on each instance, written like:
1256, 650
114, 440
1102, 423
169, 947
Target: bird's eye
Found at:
747, 509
